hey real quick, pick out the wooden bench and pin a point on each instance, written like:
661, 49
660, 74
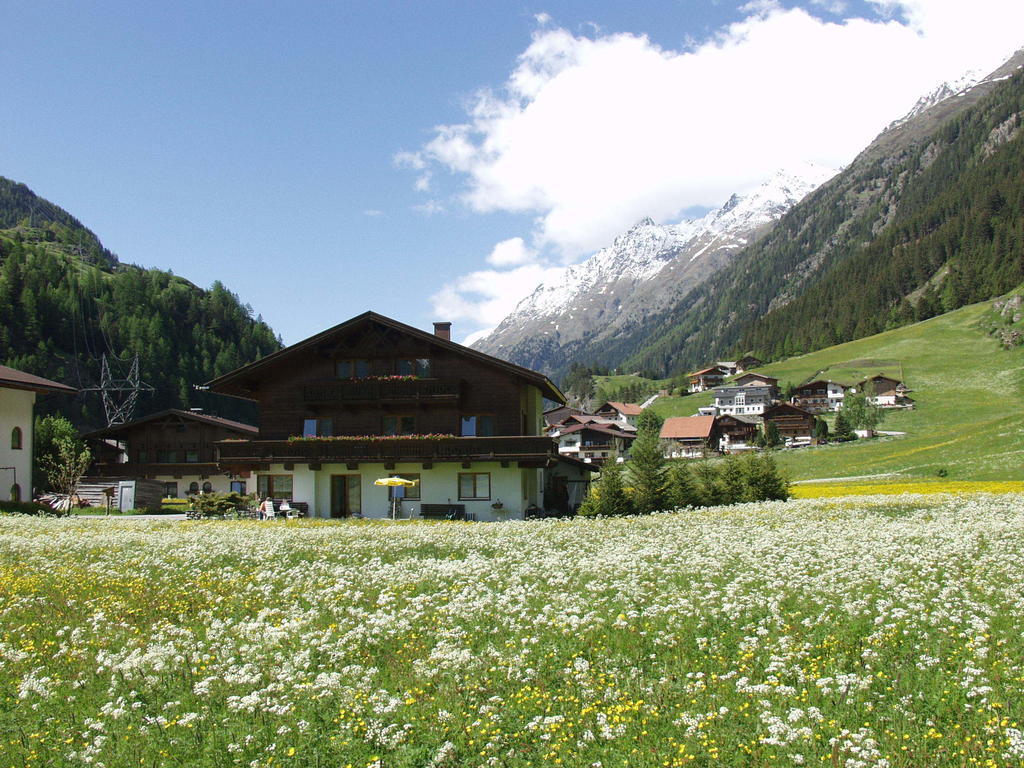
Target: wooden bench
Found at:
443, 511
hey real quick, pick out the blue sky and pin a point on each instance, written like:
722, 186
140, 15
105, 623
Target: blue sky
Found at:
256, 142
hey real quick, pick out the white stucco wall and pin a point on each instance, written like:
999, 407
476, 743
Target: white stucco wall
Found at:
16, 466
439, 485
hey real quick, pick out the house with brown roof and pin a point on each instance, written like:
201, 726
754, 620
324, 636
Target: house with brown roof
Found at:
689, 437
18, 393
885, 391
792, 422
736, 432
819, 396
175, 447
372, 398
626, 413
594, 443
706, 378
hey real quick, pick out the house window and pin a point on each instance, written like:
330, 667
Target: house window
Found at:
166, 456
353, 369
474, 485
16, 439
15, 492
476, 426
170, 490
274, 486
399, 425
407, 492
192, 456
207, 487
238, 486
413, 366
193, 488
317, 427
142, 456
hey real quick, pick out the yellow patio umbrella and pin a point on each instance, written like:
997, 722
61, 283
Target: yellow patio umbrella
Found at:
395, 482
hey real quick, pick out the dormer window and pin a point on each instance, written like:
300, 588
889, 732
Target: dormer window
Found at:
352, 369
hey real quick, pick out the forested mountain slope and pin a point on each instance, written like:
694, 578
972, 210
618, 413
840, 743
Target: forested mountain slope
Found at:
921, 222
65, 301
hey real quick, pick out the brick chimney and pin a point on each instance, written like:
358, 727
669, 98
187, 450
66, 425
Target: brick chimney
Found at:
443, 330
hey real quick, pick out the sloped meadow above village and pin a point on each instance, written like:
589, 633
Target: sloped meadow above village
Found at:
968, 387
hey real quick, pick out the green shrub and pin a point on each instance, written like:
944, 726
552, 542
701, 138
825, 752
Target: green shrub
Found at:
29, 508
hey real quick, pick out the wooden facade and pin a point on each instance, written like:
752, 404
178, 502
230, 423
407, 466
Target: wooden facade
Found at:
372, 396
790, 420
178, 447
736, 432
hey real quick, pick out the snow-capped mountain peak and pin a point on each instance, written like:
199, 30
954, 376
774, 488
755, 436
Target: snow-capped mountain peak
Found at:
618, 281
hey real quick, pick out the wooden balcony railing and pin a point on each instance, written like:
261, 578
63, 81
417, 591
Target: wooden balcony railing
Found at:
385, 449
382, 390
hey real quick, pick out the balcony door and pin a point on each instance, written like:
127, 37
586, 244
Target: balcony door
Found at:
346, 496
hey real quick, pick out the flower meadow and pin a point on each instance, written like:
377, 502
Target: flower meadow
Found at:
862, 632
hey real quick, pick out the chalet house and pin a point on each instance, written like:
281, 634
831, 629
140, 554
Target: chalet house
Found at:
689, 437
625, 413
744, 401
557, 415
819, 396
594, 443
791, 421
18, 391
747, 362
176, 447
372, 398
885, 392
737, 433
706, 378
756, 380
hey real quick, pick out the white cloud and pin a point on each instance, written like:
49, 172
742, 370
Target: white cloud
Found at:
485, 297
429, 208
593, 133
373, 212
511, 253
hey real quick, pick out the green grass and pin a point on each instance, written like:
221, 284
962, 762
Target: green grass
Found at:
969, 419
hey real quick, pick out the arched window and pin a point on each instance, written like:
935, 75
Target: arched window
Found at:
193, 488
15, 492
16, 439
207, 487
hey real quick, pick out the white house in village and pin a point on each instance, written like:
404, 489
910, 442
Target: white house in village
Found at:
18, 391
743, 401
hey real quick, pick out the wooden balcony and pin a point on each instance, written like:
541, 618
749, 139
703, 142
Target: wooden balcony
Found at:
516, 448
383, 390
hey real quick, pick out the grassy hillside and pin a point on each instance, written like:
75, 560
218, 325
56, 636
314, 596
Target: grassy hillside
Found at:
969, 389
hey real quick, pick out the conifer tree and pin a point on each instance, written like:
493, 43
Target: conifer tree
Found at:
842, 431
607, 497
647, 472
682, 491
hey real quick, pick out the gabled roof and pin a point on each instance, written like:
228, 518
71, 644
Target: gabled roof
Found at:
12, 378
231, 383
687, 427
711, 369
775, 409
822, 383
203, 418
741, 418
626, 409
751, 375
597, 428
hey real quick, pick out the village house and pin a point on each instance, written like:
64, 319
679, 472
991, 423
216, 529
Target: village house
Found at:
793, 423
18, 391
689, 437
744, 401
737, 433
594, 442
175, 447
706, 378
624, 413
747, 362
756, 380
885, 392
373, 398
819, 396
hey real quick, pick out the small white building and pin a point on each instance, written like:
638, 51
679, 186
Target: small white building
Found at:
18, 391
743, 401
